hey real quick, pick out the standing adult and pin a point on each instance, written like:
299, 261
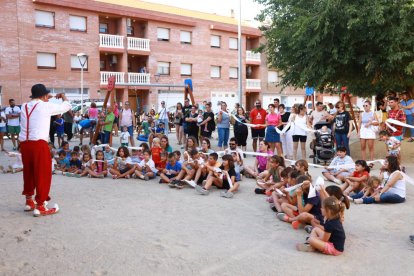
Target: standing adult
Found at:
178, 122
223, 126
286, 138
300, 120
3, 129
318, 115
127, 118
186, 109
208, 125
408, 106
367, 134
273, 120
332, 109
52, 129
342, 127
13, 121
191, 121
240, 129
108, 125
115, 125
276, 103
68, 122
258, 117
397, 114
86, 125
163, 116
37, 164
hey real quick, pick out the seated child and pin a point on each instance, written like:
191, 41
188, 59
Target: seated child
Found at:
17, 165
331, 239
238, 165
75, 165
86, 164
188, 170
278, 195
146, 169
356, 182
163, 163
66, 149
272, 176
62, 162
172, 169
99, 168
156, 151
109, 155
223, 178
372, 188
122, 167
335, 174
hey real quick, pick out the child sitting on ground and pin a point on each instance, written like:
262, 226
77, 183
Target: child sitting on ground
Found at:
17, 165
188, 171
336, 174
75, 165
124, 136
171, 171
356, 182
156, 151
372, 188
109, 155
146, 169
99, 167
272, 177
163, 163
331, 239
62, 162
238, 165
278, 197
222, 178
122, 167
86, 164
303, 167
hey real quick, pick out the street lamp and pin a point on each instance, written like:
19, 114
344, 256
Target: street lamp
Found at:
240, 63
83, 59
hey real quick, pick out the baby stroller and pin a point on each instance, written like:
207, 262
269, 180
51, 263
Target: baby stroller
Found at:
324, 148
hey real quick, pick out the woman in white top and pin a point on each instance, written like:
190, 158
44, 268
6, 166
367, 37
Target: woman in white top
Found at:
127, 119
367, 130
300, 120
3, 129
394, 185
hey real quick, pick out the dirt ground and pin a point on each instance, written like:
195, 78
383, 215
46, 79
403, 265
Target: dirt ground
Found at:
131, 227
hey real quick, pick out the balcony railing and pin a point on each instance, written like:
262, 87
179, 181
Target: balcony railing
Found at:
119, 77
139, 78
253, 84
139, 44
111, 41
252, 56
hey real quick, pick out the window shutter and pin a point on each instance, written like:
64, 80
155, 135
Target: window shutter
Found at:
186, 69
234, 72
272, 76
215, 41
45, 18
163, 68
77, 23
46, 60
185, 37
233, 43
163, 34
215, 72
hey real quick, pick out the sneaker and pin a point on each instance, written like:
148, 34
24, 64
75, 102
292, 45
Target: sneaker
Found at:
101, 176
274, 209
358, 201
412, 238
228, 194
161, 181
90, 176
308, 228
2, 169
30, 205
296, 224
134, 176
77, 175
269, 199
171, 184
201, 190
282, 217
146, 177
44, 211
191, 183
337, 181
179, 185
259, 191
127, 176
304, 247
68, 174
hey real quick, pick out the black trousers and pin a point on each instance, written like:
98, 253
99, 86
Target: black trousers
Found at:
68, 130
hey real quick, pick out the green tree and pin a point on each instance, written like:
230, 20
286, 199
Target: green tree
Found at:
365, 45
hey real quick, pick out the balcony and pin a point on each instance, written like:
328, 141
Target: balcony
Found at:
253, 84
111, 41
138, 44
139, 78
119, 77
253, 58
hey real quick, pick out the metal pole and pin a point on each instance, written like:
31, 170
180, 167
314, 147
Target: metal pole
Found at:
240, 58
82, 90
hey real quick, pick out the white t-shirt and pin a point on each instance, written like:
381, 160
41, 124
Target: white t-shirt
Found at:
3, 119
125, 137
399, 187
14, 110
318, 116
126, 117
163, 114
300, 123
150, 164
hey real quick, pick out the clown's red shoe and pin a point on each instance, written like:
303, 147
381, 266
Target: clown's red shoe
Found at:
42, 210
30, 205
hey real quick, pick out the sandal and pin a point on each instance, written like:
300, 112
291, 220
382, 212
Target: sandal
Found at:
283, 217
410, 140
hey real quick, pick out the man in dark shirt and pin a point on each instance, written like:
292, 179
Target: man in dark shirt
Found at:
208, 124
191, 120
186, 110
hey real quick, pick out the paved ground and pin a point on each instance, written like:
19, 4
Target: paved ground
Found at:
129, 227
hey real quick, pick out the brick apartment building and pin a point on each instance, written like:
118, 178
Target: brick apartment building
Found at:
140, 43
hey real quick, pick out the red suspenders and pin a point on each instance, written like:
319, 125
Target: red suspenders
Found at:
27, 120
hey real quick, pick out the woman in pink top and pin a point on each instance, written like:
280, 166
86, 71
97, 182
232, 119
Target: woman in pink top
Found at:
273, 120
116, 121
93, 112
260, 164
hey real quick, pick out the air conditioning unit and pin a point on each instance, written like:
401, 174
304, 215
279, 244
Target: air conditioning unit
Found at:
128, 22
114, 59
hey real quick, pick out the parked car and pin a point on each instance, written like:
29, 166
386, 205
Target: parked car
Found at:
86, 106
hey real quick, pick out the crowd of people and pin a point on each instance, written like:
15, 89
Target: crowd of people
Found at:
291, 191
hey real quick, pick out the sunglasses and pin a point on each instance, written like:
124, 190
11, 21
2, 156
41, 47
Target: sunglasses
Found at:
365, 105
232, 144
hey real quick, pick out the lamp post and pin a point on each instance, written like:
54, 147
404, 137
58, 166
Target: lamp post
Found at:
83, 59
240, 56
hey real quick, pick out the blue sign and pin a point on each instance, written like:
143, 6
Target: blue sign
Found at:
309, 91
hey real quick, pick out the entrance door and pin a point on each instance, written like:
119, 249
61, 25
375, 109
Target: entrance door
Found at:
229, 97
171, 98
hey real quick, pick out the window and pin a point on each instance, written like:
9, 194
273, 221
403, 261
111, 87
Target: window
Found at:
186, 69
75, 64
234, 73
45, 19
46, 61
163, 68
103, 28
102, 65
185, 37
215, 71
163, 34
272, 77
233, 43
215, 41
77, 23
130, 30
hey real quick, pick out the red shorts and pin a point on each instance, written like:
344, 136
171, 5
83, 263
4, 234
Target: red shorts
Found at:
330, 249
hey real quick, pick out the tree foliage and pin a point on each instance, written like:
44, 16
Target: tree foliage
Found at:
365, 45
